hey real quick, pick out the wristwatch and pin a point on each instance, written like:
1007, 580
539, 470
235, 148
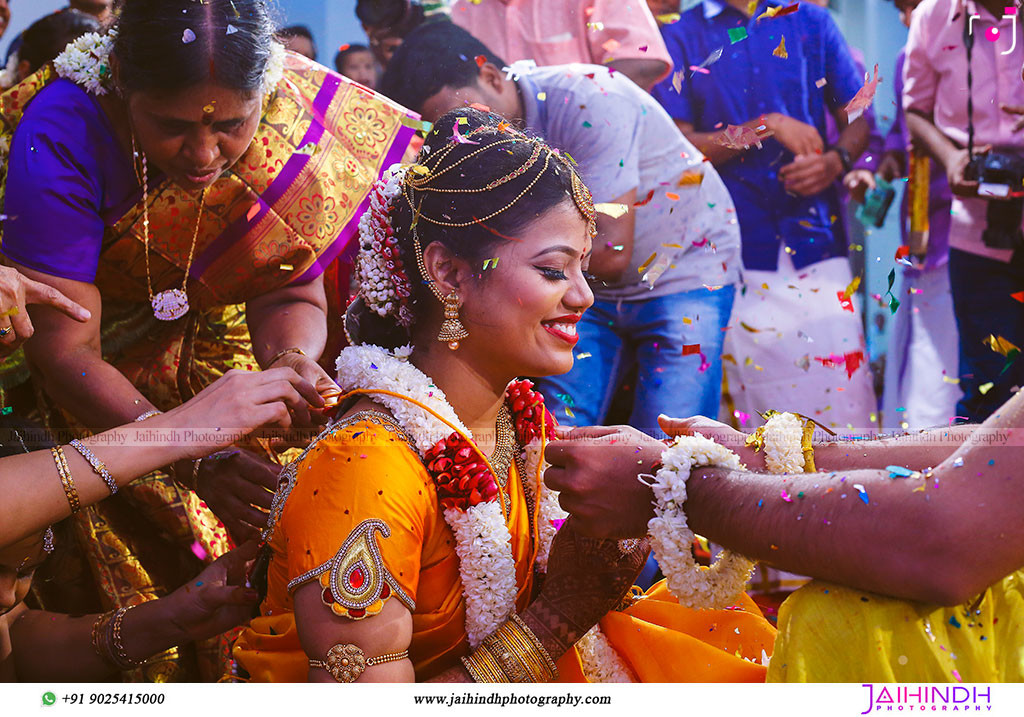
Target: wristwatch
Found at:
844, 157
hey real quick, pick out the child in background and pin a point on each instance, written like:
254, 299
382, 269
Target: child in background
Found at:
356, 63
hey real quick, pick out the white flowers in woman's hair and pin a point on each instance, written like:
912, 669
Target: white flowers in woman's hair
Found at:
86, 62
783, 444
672, 539
274, 72
382, 290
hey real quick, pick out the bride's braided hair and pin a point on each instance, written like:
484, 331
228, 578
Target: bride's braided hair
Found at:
478, 182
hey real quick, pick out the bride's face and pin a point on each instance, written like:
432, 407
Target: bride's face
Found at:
522, 314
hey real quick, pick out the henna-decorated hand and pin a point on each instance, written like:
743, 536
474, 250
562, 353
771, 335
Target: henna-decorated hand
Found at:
586, 579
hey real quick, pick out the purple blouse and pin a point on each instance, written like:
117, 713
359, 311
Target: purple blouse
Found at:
67, 180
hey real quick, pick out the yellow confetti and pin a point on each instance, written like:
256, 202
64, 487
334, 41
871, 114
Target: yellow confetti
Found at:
764, 285
287, 267
643, 267
948, 379
407, 121
595, 26
673, 246
805, 223
419, 169
668, 18
1000, 345
612, 209
768, 11
851, 288
985, 388
541, 96
780, 51
687, 320
569, 413
788, 250
919, 489
752, 7
690, 178
584, 355
730, 358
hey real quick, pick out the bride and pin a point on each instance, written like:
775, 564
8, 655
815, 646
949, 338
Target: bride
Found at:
414, 539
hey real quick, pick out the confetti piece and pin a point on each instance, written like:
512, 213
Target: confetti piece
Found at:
6, 411
677, 81
612, 209
711, 59
611, 45
864, 97
771, 12
287, 267
687, 320
821, 82
232, 30
738, 138
948, 379
737, 34
566, 399
899, 472
457, 136
654, 273
416, 124
785, 496
742, 418
199, 551
646, 200
253, 211
481, 60
985, 388
668, 18
188, 36
1000, 345
493, 263
690, 178
595, 26
541, 96
673, 196
752, 6
862, 493
845, 302
1019, 296
643, 267
780, 51
584, 355
691, 349
958, 462
957, 676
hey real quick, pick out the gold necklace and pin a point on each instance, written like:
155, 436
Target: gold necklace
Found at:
171, 304
504, 445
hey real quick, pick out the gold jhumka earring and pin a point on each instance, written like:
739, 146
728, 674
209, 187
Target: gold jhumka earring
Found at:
452, 330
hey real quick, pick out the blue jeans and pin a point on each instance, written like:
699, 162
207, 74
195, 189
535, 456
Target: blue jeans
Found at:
982, 303
650, 334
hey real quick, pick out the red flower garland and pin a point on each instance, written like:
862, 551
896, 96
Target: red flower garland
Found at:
462, 477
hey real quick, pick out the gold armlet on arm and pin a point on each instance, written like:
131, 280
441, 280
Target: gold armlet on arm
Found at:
347, 662
511, 654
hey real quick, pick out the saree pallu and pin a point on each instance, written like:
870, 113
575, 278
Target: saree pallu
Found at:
281, 216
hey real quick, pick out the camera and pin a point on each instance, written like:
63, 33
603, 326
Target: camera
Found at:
1000, 175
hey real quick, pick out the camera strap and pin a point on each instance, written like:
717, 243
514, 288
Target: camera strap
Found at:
969, 43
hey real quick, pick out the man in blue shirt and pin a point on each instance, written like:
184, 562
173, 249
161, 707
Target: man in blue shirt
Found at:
779, 74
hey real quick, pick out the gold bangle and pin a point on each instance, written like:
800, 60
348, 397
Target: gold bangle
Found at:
100, 633
285, 352
121, 658
346, 663
521, 653
483, 666
65, 479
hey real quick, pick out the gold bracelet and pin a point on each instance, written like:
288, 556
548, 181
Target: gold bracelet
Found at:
483, 666
100, 633
521, 654
347, 662
285, 352
121, 658
65, 479
98, 466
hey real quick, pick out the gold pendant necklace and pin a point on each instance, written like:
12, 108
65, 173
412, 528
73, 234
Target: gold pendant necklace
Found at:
171, 304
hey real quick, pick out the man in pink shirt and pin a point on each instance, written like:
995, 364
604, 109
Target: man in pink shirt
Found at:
619, 33
984, 277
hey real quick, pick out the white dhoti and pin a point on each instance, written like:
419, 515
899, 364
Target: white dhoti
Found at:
921, 386
792, 346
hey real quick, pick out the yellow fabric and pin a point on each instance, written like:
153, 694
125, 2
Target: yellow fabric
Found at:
363, 471
829, 633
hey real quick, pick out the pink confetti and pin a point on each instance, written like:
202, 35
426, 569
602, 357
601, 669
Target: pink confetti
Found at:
957, 676
199, 551
702, 70
459, 139
739, 138
253, 211
785, 496
863, 99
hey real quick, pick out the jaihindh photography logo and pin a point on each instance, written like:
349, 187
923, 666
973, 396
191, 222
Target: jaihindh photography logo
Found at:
948, 698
